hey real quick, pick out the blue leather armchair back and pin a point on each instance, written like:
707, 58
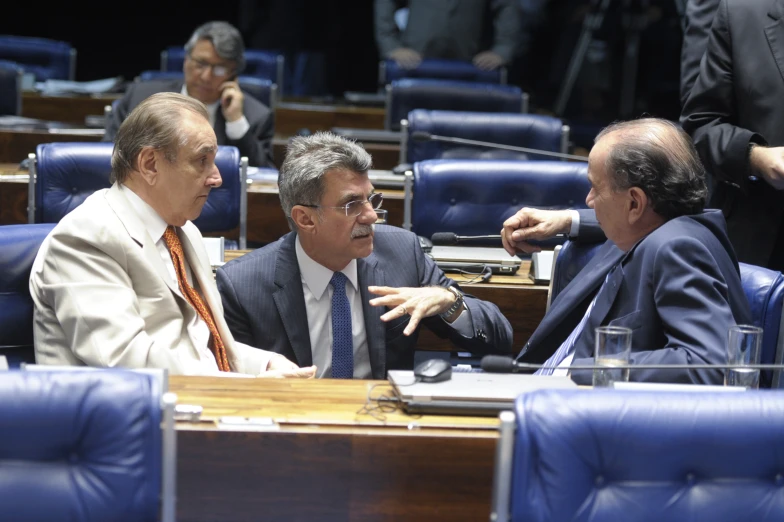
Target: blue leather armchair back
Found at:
267, 65
474, 197
403, 96
46, 59
19, 245
764, 289
10, 88
69, 172
521, 130
263, 90
390, 71
80, 446
610, 455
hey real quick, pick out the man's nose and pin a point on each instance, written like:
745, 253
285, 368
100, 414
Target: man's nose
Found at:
368, 214
215, 180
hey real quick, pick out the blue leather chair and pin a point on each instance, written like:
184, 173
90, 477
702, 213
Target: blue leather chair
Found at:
403, 96
611, 455
473, 197
521, 130
267, 65
67, 173
263, 90
389, 71
46, 59
10, 89
86, 446
764, 290
19, 245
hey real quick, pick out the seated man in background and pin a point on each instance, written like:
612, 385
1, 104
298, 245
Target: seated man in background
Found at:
213, 60
667, 269
124, 280
309, 296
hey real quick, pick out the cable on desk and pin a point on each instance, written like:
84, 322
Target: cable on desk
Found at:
377, 407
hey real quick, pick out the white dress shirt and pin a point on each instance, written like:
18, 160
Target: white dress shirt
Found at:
234, 129
198, 330
318, 304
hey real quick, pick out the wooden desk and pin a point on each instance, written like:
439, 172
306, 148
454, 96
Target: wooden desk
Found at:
327, 462
69, 109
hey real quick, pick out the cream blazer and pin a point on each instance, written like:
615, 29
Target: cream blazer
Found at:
103, 298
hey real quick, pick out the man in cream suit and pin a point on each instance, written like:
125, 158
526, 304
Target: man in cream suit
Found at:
124, 279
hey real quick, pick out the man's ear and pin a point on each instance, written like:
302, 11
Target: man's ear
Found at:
637, 203
148, 165
304, 218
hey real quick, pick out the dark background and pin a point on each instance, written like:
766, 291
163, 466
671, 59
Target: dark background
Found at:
126, 38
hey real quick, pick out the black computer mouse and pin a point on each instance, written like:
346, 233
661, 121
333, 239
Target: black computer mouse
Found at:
433, 370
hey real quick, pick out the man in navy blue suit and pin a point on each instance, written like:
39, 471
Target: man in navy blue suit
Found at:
667, 269
340, 291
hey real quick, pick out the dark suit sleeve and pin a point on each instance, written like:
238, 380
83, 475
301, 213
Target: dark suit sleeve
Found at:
387, 36
491, 330
710, 111
692, 299
506, 25
119, 113
233, 312
699, 17
256, 144
589, 230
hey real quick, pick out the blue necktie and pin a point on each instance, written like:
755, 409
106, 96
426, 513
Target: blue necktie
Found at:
342, 339
567, 346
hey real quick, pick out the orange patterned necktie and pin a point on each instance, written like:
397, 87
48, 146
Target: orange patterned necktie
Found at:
178, 257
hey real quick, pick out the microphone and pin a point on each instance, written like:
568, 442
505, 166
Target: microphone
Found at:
426, 136
450, 238
506, 364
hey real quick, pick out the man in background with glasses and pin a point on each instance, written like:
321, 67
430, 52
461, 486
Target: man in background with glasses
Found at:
214, 57
340, 291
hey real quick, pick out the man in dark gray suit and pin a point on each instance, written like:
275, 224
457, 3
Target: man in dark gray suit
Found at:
214, 57
286, 297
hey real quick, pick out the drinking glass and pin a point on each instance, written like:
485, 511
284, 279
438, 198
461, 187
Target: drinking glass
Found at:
743, 347
381, 216
613, 346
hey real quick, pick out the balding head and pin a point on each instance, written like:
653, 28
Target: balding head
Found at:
658, 157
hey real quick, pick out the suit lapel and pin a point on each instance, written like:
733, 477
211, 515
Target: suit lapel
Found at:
369, 275
135, 228
604, 301
290, 301
577, 292
774, 31
220, 127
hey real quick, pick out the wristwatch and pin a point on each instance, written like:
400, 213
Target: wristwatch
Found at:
456, 306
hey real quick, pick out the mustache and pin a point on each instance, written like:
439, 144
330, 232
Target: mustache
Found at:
361, 230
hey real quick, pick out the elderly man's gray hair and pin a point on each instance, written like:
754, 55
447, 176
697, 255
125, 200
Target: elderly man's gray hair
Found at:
226, 40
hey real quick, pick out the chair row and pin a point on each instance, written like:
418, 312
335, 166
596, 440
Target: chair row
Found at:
87, 444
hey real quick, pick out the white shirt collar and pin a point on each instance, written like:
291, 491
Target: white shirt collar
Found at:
212, 108
317, 276
153, 223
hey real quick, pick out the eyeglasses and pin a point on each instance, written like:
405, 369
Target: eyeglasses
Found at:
354, 208
218, 70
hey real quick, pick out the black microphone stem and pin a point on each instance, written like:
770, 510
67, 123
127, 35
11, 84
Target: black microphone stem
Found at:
463, 141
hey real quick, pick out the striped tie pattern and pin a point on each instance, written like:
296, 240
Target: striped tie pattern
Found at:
567, 346
178, 258
342, 338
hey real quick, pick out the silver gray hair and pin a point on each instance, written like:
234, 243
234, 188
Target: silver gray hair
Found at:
226, 40
155, 123
308, 158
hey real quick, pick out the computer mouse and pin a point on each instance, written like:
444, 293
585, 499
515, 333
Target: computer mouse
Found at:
433, 370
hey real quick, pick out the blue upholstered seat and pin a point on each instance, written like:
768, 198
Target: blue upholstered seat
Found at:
389, 71
611, 455
403, 96
267, 65
67, 173
19, 245
521, 130
264, 91
473, 197
86, 446
764, 290
10, 88
46, 59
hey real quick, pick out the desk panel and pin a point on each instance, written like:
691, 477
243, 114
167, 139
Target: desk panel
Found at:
327, 462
